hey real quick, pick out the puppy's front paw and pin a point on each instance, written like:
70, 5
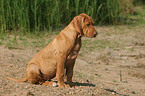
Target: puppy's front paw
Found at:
63, 85
48, 83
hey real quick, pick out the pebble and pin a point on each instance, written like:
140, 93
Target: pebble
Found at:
54, 84
113, 93
30, 94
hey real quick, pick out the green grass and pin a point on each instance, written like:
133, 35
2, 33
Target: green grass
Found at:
29, 41
12, 43
26, 16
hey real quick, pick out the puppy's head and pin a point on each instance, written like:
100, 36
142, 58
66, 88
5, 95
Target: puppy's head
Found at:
84, 25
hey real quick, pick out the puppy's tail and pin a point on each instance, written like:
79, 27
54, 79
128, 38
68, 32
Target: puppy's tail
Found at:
20, 80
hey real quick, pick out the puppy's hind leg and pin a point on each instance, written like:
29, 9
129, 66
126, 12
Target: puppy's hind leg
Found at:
34, 74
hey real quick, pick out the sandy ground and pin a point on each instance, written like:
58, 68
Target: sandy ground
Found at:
111, 64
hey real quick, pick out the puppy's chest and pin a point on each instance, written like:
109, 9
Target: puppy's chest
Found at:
74, 52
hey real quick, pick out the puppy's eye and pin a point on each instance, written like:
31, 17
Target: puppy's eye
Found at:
88, 24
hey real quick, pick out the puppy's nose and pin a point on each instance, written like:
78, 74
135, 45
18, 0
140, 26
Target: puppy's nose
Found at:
95, 34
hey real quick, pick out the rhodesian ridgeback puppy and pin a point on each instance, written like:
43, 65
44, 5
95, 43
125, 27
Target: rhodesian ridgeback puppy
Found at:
58, 57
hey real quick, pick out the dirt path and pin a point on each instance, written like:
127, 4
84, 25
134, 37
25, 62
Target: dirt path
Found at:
111, 64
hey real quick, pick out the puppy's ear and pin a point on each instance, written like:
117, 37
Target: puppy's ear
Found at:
84, 15
88, 17
78, 24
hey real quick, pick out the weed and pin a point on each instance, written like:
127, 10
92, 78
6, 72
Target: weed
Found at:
99, 75
114, 81
1, 43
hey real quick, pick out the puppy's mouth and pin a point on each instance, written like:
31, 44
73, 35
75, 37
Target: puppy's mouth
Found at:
91, 35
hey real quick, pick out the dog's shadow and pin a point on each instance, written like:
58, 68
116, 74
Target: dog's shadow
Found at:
79, 84
84, 84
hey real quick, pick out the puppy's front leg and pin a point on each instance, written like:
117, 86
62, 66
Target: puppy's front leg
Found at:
69, 73
60, 70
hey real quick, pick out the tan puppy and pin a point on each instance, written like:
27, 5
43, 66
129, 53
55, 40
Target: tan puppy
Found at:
60, 54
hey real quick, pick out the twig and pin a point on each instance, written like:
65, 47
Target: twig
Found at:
120, 75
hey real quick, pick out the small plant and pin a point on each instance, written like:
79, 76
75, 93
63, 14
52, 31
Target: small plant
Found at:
114, 81
99, 75
1, 43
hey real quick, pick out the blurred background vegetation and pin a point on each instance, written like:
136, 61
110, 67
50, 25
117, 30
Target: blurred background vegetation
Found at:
45, 15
